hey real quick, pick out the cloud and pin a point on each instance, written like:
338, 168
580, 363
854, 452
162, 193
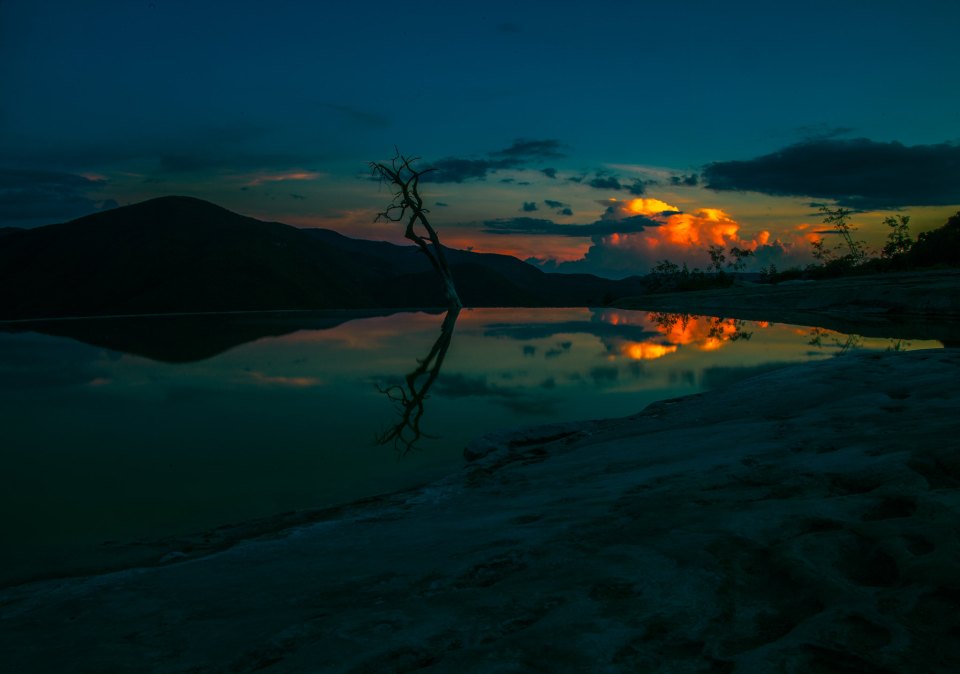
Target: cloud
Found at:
559, 207
532, 149
216, 160
541, 227
689, 180
518, 155
265, 178
618, 250
29, 197
861, 174
371, 120
822, 131
549, 172
529, 206
606, 183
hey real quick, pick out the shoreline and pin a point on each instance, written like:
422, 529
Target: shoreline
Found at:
913, 305
620, 541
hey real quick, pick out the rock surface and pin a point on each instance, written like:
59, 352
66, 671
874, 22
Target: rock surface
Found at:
805, 520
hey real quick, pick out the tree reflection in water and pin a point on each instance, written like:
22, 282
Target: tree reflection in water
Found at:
843, 343
687, 327
409, 397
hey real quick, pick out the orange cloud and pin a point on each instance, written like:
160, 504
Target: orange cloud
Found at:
648, 206
280, 177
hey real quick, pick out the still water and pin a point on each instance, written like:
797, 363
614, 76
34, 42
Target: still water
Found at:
128, 431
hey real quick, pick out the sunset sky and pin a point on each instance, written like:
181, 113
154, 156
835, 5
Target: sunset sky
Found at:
594, 137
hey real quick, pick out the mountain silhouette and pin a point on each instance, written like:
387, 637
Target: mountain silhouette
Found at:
179, 254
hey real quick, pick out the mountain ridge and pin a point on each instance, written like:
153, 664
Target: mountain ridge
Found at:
179, 254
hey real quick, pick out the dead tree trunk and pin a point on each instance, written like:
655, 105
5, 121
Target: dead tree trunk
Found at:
407, 206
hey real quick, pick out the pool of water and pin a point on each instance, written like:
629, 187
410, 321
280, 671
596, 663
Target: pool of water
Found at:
131, 430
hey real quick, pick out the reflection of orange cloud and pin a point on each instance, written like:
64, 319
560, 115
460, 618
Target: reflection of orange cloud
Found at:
647, 350
701, 332
293, 382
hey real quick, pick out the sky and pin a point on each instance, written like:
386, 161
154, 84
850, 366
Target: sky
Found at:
586, 137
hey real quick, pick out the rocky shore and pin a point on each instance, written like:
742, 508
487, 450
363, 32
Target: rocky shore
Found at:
907, 305
805, 520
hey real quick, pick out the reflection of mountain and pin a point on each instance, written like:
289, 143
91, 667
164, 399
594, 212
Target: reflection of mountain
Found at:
185, 338
178, 254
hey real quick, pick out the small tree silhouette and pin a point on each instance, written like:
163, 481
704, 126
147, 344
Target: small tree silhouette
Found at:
839, 219
739, 255
899, 240
407, 205
717, 258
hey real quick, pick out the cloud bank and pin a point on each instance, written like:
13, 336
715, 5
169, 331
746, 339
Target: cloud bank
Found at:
634, 235
861, 174
29, 197
520, 154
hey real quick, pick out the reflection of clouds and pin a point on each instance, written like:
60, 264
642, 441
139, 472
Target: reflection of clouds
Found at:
519, 399
604, 376
705, 333
647, 350
370, 333
595, 327
30, 361
284, 381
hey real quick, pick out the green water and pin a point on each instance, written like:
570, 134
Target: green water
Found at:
100, 445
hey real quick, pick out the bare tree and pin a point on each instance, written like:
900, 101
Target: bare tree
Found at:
407, 206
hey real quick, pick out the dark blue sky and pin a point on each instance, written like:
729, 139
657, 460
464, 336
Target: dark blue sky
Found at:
273, 108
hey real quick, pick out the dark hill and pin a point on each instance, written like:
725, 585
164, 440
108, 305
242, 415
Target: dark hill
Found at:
173, 254
179, 254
